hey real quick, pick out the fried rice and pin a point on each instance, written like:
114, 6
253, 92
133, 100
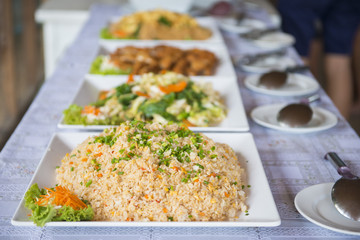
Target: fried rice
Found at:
153, 172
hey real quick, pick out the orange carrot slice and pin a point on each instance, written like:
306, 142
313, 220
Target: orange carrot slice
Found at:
61, 197
90, 110
177, 87
130, 79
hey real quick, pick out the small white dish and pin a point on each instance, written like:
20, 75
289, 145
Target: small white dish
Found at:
244, 26
314, 203
261, 213
235, 121
270, 63
274, 40
266, 116
296, 85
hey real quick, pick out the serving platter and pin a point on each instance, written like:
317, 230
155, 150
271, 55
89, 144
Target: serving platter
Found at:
262, 209
224, 68
235, 121
207, 22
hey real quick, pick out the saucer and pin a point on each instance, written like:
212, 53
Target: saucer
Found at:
274, 40
266, 116
269, 63
296, 85
244, 26
314, 203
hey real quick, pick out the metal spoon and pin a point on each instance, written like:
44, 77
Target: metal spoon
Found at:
276, 79
297, 114
345, 193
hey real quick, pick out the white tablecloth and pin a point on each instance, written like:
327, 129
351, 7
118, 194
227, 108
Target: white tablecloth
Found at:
291, 162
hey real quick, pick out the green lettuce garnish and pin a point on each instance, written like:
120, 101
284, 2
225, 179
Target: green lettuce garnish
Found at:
105, 34
95, 68
72, 115
43, 214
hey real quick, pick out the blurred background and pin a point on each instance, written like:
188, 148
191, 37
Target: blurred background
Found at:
35, 33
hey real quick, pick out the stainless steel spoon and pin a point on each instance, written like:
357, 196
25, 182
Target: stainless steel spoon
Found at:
297, 114
276, 79
345, 193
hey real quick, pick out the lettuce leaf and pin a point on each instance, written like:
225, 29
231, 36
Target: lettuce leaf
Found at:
72, 115
43, 214
96, 68
68, 214
105, 34
31, 195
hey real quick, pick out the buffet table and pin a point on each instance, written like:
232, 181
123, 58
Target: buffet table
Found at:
292, 162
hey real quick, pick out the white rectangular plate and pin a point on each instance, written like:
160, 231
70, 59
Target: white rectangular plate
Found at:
235, 121
262, 208
207, 22
224, 68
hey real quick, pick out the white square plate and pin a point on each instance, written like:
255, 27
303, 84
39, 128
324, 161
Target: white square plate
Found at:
235, 121
207, 22
262, 209
224, 68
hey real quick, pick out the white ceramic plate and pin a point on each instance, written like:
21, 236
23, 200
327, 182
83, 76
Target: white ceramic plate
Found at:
207, 22
224, 68
314, 203
275, 40
296, 85
266, 116
235, 120
270, 63
244, 26
262, 209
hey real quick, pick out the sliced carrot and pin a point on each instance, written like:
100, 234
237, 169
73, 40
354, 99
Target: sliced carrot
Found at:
130, 79
119, 33
142, 94
103, 94
99, 175
90, 110
188, 123
176, 168
61, 197
177, 87
212, 175
163, 71
165, 210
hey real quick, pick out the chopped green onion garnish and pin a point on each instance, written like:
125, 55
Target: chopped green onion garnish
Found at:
88, 183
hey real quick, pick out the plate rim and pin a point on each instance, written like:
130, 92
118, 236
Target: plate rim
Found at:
234, 29
275, 220
272, 46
